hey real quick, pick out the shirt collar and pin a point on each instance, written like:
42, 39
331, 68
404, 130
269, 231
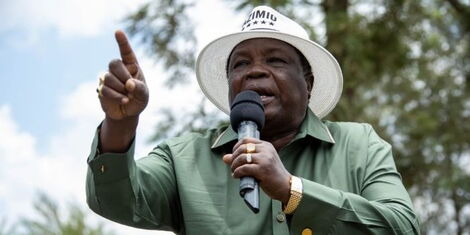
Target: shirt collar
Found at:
311, 126
228, 135
314, 127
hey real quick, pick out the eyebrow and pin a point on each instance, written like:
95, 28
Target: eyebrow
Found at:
243, 52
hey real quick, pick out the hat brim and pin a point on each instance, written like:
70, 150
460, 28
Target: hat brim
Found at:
213, 81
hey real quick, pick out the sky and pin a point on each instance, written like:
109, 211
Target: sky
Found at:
51, 52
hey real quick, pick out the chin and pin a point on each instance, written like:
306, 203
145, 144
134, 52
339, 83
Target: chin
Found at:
270, 114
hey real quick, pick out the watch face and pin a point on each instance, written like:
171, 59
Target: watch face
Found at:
296, 184
295, 195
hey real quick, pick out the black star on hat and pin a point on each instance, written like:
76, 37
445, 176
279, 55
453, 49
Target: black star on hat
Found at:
255, 22
263, 22
271, 23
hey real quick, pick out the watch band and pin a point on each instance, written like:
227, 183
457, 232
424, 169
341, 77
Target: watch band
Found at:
296, 190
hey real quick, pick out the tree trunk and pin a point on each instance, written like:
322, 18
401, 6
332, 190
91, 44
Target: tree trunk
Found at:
336, 19
336, 25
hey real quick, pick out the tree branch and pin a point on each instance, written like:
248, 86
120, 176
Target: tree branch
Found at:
459, 7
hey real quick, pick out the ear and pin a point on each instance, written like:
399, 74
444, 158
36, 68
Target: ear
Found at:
309, 79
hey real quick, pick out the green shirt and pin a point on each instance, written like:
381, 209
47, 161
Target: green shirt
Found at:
350, 185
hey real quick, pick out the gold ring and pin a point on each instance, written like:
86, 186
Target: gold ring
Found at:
99, 90
101, 78
101, 84
248, 158
250, 148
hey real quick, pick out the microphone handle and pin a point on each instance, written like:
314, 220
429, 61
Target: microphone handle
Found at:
249, 188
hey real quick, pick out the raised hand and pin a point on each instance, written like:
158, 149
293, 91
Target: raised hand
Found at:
123, 91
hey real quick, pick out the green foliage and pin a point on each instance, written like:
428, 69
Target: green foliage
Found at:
198, 121
164, 27
52, 222
247, 4
406, 66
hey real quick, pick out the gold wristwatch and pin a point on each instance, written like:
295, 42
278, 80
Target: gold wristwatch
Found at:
295, 195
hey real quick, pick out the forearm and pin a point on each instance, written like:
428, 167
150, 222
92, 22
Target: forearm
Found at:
116, 135
330, 211
108, 184
119, 188
114, 201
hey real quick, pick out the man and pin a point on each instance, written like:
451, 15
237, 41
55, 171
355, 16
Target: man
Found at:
316, 176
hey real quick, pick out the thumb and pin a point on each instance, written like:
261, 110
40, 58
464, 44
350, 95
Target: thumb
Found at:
137, 89
227, 158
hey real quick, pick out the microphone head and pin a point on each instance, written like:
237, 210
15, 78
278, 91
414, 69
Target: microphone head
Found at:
247, 106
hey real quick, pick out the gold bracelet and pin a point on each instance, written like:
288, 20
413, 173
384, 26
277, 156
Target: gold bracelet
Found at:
295, 195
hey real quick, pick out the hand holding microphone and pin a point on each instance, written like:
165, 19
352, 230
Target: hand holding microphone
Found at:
255, 161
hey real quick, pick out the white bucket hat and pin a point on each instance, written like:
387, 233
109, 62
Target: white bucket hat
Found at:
265, 22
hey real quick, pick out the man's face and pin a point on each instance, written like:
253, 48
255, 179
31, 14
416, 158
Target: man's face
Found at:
273, 69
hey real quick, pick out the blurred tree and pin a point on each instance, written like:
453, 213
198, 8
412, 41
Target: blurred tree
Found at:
165, 28
52, 222
5, 228
406, 66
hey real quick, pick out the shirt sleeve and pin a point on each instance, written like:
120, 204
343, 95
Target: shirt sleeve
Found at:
138, 193
382, 207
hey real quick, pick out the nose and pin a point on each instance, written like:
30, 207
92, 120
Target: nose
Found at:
256, 71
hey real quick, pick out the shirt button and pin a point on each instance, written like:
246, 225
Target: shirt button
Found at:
307, 231
280, 217
102, 169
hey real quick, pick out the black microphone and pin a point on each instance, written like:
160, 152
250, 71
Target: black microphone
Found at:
247, 119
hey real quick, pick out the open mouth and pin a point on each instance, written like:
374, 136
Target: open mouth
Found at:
266, 94
266, 99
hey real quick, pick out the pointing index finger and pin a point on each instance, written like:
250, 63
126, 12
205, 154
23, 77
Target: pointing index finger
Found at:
127, 54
